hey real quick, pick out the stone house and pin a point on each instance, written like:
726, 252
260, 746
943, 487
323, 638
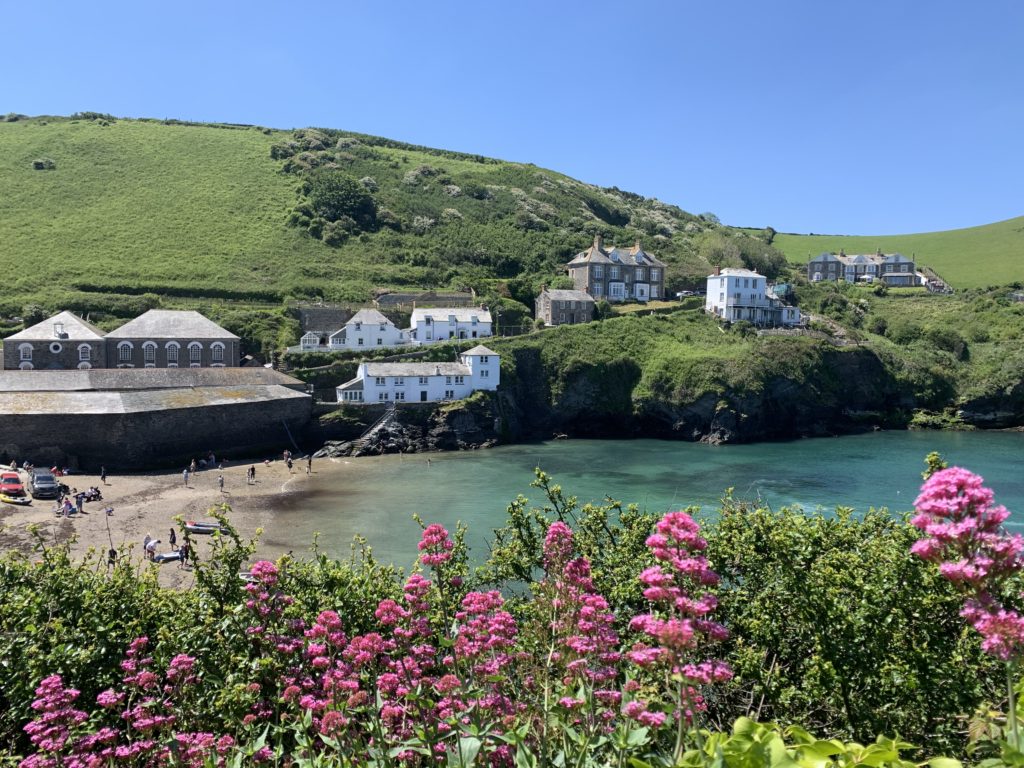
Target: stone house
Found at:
367, 329
742, 294
563, 307
64, 341
165, 338
478, 369
891, 268
428, 326
618, 274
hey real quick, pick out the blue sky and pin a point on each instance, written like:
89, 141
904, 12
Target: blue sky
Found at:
848, 118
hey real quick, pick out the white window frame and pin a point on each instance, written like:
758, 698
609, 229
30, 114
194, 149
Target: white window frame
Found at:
460, 379
25, 353
173, 349
149, 354
84, 353
380, 381
125, 350
195, 354
217, 354
399, 396
399, 381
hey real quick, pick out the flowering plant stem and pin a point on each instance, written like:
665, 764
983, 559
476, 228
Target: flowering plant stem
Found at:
1011, 706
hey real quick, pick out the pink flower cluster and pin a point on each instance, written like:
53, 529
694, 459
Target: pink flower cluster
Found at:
964, 535
678, 627
436, 545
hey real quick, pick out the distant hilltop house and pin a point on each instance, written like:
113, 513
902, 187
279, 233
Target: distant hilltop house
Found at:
159, 338
564, 307
893, 269
618, 274
741, 294
370, 329
478, 369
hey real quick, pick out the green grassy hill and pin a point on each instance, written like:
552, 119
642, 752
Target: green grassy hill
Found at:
975, 257
185, 210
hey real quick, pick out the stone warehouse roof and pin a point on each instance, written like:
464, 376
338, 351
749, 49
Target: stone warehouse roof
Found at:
75, 329
137, 379
462, 314
564, 294
141, 401
170, 324
416, 369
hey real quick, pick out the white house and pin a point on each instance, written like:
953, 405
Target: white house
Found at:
429, 326
367, 329
478, 368
742, 294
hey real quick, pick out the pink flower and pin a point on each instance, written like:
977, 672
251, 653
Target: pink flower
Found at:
436, 544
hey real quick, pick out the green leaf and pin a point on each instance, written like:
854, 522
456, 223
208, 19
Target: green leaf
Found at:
469, 747
945, 762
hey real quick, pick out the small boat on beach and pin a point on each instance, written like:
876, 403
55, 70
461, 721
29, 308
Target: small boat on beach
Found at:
21, 501
167, 557
204, 528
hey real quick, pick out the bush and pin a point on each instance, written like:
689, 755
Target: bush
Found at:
903, 331
44, 164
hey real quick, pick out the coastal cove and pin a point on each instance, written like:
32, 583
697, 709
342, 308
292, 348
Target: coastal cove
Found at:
375, 497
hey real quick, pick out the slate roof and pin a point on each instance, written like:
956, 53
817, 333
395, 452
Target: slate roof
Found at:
635, 255
416, 369
480, 349
462, 314
369, 317
565, 294
170, 324
114, 402
75, 327
137, 379
737, 272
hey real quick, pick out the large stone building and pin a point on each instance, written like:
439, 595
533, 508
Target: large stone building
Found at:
137, 418
63, 341
891, 268
559, 306
618, 274
160, 338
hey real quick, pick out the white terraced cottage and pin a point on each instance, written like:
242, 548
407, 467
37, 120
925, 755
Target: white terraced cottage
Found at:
428, 326
478, 368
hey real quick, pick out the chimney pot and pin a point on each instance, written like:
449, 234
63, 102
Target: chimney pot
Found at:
718, 270
598, 242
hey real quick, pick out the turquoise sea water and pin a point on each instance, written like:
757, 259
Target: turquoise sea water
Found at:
376, 497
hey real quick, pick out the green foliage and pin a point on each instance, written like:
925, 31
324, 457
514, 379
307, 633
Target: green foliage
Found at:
336, 195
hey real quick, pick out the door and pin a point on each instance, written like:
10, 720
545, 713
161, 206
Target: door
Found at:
642, 292
423, 395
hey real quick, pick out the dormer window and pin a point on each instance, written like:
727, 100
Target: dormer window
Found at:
58, 331
359, 326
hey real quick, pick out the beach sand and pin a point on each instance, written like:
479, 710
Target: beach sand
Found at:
147, 504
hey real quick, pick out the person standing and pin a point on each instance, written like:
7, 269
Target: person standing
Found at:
145, 543
183, 552
173, 538
184, 476
220, 482
103, 474
309, 464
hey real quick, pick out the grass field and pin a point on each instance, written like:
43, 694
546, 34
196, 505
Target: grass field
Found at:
975, 257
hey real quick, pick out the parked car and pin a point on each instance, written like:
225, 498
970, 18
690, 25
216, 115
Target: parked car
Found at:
43, 484
10, 484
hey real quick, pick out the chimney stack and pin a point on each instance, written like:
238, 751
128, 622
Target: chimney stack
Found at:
598, 242
718, 271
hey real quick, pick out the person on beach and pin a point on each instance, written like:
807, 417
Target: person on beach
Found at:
151, 549
173, 538
111, 557
288, 461
103, 475
145, 543
184, 476
183, 551
193, 466
309, 464
220, 482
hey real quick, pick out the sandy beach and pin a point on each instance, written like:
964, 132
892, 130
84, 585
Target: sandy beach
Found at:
147, 504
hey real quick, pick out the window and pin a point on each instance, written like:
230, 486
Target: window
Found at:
447, 379
383, 326
399, 381
382, 395
195, 354
149, 353
746, 282
613, 273
654, 291
124, 352
561, 317
596, 289
84, 352
380, 381
399, 395
639, 273
459, 379
598, 271
485, 374
25, 352
380, 341
359, 326
360, 341
423, 379
172, 355
655, 273
449, 394
474, 320
484, 358
217, 353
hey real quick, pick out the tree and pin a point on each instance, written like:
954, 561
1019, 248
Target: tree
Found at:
334, 195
